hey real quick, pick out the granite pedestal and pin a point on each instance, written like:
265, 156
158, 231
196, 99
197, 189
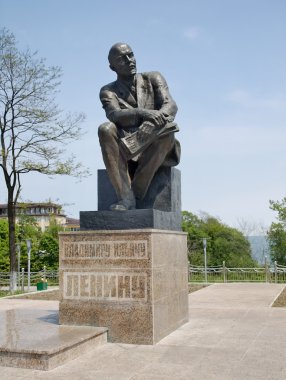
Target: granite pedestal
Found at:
133, 282
160, 209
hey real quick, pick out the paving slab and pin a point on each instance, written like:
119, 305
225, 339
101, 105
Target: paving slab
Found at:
232, 334
236, 295
31, 337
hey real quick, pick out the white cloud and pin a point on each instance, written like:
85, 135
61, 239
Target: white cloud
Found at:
247, 100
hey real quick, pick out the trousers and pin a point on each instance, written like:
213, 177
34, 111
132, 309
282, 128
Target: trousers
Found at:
117, 164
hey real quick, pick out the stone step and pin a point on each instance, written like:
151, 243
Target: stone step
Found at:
34, 339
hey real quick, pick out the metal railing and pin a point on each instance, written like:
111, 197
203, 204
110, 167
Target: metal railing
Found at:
25, 282
273, 274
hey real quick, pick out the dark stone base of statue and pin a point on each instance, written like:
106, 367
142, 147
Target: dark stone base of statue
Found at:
164, 192
131, 219
160, 209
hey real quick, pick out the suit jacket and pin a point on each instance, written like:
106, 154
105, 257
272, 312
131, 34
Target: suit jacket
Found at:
151, 93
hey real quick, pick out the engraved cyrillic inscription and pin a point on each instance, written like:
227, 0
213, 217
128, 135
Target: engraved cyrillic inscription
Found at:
105, 286
135, 249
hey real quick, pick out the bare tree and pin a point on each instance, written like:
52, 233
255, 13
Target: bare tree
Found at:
246, 227
250, 227
33, 131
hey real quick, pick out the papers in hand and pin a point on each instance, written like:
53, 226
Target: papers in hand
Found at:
133, 145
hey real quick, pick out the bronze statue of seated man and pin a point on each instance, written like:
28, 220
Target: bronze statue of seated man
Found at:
139, 137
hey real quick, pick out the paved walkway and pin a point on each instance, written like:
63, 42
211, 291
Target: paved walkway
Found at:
233, 334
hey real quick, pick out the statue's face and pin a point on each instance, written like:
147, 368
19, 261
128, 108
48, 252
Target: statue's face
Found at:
122, 61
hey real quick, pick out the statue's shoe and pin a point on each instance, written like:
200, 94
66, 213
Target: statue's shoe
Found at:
123, 205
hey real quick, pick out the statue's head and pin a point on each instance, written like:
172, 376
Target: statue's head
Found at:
122, 60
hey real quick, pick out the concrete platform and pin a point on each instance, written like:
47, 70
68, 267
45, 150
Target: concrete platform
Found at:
233, 333
32, 338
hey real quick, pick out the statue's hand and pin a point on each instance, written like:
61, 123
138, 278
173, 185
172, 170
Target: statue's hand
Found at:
145, 131
153, 116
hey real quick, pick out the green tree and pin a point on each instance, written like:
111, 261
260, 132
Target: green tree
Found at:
277, 232
27, 228
224, 243
45, 246
4, 246
192, 224
48, 248
33, 130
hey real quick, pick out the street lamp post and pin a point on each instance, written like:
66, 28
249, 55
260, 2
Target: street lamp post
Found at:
205, 254
18, 246
29, 245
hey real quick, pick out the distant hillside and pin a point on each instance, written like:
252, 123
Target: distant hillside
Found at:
259, 248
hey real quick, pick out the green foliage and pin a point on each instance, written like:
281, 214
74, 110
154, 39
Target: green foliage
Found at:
224, 243
48, 254
4, 246
45, 246
27, 228
277, 232
280, 207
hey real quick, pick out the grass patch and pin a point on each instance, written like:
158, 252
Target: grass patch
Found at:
50, 295
195, 287
281, 299
6, 293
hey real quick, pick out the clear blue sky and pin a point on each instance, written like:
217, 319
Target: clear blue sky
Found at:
225, 63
